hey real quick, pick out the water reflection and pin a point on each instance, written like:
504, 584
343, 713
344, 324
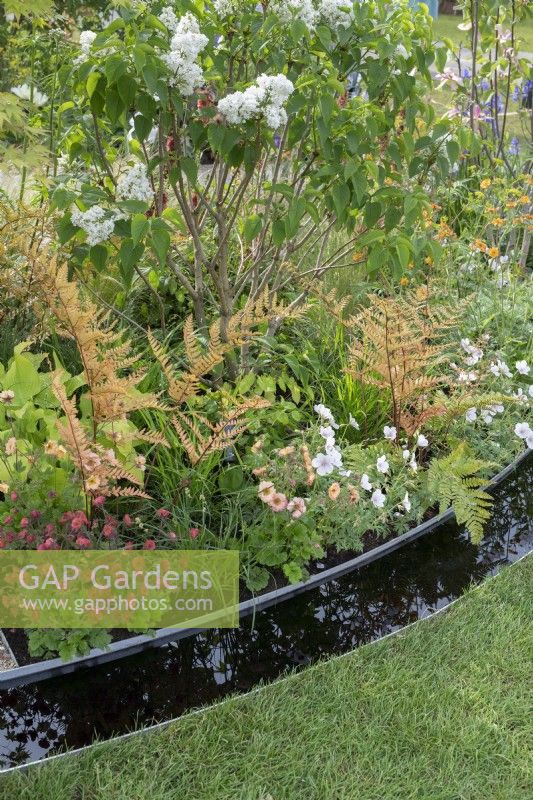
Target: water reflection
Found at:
70, 711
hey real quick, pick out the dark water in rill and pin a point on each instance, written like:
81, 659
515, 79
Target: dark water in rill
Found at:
70, 711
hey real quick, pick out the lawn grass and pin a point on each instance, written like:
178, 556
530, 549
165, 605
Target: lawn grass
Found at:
446, 27
439, 712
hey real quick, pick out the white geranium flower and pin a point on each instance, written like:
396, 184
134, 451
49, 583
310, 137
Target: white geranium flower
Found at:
422, 441
486, 416
530, 390
522, 430
529, 441
522, 367
500, 368
406, 503
327, 432
496, 408
412, 464
382, 465
471, 414
335, 455
323, 463
378, 498
325, 413
406, 455
365, 482
353, 422
390, 433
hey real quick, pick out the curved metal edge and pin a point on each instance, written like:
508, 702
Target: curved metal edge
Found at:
43, 670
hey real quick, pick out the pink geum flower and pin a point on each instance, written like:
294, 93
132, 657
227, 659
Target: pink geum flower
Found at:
297, 507
14, 496
162, 513
24, 522
127, 520
128, 546
48, 544
194, 533
83, 542
278, 502
149, 545
109, 531
99, 501
35, 514
172, 535
265, 491
78, 521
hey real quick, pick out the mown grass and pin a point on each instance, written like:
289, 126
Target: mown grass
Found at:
440, 712
446, 27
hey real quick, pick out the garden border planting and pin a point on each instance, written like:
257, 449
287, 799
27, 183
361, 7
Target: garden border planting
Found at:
44, 670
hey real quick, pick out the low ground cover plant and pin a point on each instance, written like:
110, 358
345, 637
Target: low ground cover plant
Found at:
263, 297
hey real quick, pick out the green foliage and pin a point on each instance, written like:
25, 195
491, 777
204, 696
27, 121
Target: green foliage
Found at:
455, 481
67, 644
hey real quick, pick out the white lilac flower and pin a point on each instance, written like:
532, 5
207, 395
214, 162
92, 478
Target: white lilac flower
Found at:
353, 422
406, 455
185, 46
365, 482
336, 13
422, 441
323, 463
168, 18
24, 92
522, 367
378, 498
390, 433
289, 10
264, 99
96, 223
382, 465
325, 413
406, 503
225, 8
522, 430
471, 414
500, 368
134, 185
86, 40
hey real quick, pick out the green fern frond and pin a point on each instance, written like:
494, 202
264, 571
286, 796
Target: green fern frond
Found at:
455, 481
